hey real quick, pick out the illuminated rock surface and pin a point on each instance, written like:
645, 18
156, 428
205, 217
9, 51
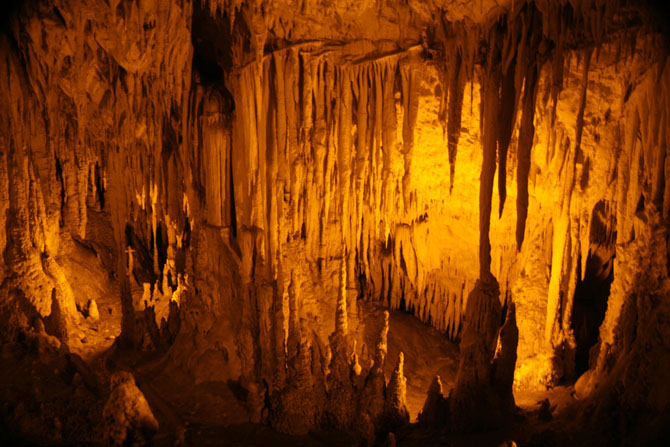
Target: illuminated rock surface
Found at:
241, 201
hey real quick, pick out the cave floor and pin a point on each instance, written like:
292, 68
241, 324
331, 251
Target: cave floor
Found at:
427, 353
213, 413
94, 338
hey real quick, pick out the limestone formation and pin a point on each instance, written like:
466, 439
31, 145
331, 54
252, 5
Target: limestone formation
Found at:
395, 407
434, 408
93, 312
242, 189
473, 403
128, 419
372, 401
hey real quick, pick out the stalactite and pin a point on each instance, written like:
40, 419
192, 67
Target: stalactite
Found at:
507, 111
388, 140
328, 91
456, 86
319, 138
524, 147
490, 103
560, 243
344, 155
314, 155
21, 254
579, 126
377, 162
215, 142
563, 254
362, 169
459, 45
410, 105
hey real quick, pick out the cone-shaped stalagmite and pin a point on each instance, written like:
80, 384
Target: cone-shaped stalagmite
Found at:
395, 408
296, 409
472, 403
505, 359
435, 405
372, 398
341, 399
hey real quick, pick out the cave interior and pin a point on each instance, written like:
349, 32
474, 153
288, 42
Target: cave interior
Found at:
334, 222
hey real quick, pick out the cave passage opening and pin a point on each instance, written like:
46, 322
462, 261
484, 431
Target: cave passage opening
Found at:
591, 295
593, 290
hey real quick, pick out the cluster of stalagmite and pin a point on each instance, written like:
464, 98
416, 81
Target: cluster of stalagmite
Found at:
240, 196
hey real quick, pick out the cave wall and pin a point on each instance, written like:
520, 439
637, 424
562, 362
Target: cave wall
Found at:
92, 98
329, 158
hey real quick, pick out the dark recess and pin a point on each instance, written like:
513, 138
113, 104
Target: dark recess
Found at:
589, 307
592, 293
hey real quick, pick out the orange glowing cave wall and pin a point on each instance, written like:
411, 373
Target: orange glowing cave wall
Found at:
333, 167
357, 144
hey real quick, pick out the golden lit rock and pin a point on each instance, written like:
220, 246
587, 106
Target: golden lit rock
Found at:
250, 205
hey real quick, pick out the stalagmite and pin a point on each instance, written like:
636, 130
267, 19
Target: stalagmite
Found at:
395, 407
341, 403
473, 382
93, 312
341, 324
505, 358
373, 396
127, 415
297, 407
433, 411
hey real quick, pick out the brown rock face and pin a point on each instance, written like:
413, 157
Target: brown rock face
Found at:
127, 416
236, 186
474, 403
